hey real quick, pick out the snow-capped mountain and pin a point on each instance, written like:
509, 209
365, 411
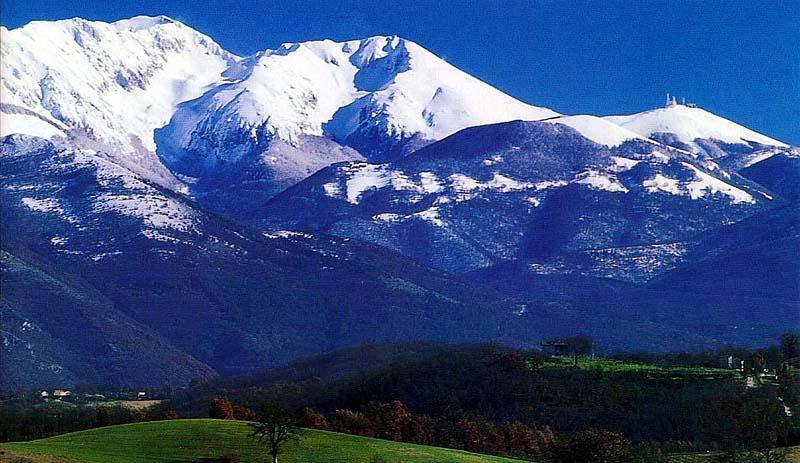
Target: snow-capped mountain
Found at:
113, 80
105, 85
533, 190
693, 128
357, 178
374, 95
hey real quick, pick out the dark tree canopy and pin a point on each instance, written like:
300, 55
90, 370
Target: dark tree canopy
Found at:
790, 345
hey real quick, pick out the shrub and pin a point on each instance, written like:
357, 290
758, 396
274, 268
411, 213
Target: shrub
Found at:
593, 446
311, 418
243, 413
221, 409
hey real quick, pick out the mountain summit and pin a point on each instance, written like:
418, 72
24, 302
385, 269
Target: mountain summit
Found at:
693, 128
382, 95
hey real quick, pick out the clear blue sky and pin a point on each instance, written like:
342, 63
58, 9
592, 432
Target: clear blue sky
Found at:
739, 59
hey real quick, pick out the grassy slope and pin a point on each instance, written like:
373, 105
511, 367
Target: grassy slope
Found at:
600, 363
187, 440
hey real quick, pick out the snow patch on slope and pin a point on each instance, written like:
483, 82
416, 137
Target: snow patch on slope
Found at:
600, 181
700, 186
705, 184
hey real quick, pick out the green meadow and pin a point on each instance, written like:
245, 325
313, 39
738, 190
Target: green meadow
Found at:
190, 440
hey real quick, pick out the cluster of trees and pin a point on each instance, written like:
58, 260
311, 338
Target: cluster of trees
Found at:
274, 426
19, 423
394, 421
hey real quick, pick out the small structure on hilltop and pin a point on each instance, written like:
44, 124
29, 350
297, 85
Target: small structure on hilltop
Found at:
672, 101
554, 347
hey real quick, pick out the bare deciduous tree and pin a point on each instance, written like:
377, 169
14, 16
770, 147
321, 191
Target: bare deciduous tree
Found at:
275, 427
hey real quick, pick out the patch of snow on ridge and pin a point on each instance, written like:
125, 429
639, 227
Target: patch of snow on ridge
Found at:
362, 177
549, 184
706, 184
287, 234
332, 189
702, 185
366, 177
153, 210
661, 183
621, 164
43, 205
600, 181
431, 215
499, 182
49, 206
429, 182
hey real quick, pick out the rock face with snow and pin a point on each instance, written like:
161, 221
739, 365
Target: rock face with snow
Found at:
539, 191
110, 278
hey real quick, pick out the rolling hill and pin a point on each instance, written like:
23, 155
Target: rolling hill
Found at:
191, 440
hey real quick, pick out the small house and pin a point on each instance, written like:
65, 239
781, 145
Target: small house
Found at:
554, 347
61, 393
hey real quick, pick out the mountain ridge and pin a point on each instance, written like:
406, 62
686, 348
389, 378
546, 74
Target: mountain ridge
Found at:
326, 194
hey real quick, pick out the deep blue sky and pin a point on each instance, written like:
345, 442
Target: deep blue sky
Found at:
739, 59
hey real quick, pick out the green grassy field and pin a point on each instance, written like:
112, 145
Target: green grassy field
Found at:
188, 440
599, 363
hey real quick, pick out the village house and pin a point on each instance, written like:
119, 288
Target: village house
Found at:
554, 347
61, 393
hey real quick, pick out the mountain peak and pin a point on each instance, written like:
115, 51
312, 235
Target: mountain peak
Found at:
688, 124
113, 81
138, 23
372, 94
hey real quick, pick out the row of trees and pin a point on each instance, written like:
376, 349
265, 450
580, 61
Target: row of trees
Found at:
26, 423
275, 427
